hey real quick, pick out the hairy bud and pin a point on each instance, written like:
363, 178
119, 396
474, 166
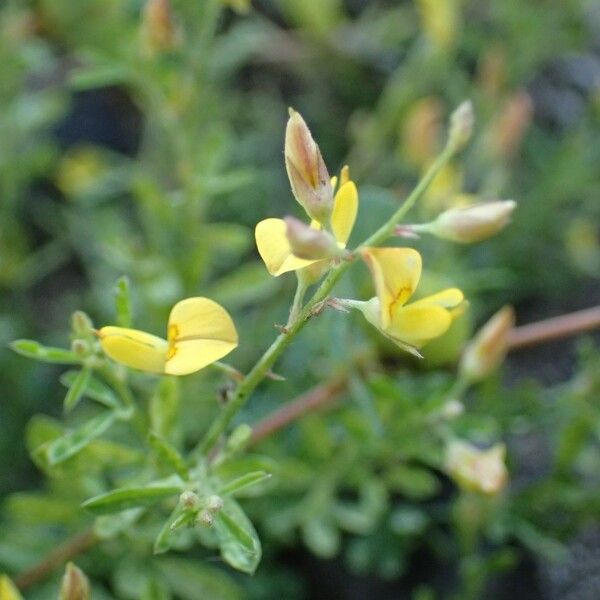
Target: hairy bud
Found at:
477, 470
189, 501
308, 175
472, 223
75, 585
487, 349
81, 324
308, 243
214, 503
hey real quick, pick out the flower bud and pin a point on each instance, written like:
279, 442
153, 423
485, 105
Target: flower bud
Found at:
310, 181
75, 585
189, 501
81, 324
8, 590
476, 470
511, 125
488, 348
308, 243
214, 503
205, 519
473, 223
158, 26
462, 121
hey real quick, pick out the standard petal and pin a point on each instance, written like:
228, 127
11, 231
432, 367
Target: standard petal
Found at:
416, 325
396, 273
135, 349
345, 207
274, 248
200, 332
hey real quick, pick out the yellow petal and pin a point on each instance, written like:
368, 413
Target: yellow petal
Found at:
447, 299
396, 273
345, 207
135, 349
416, 325
8, 590
200, 332
274, 248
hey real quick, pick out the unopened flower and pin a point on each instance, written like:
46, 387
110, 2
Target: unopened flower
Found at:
75, 585
477, 470
489, 346
160, 33
472, 223
396, 273
308, 242
199, 332
8, 590
462, 122
306, 170
272, 239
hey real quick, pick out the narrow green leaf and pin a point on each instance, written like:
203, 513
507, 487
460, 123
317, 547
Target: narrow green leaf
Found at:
35, 350
77, 389
238, 541
123, 302
243, 482
131, 497
169, 455
95, 389
72, 442
96, 76
162, 543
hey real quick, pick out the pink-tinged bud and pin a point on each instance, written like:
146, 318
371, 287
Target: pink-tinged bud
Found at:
487, 349
509, 128
310, 181
308, 243
75, 585
476, 470
158, 26
462, 122
473, 223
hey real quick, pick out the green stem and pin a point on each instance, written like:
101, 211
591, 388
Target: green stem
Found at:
266, 361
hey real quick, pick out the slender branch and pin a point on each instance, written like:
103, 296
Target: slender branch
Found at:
315, 398
555, 328
264, 364
77, 544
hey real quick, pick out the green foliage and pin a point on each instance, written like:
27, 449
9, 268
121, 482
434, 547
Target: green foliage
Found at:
124, 223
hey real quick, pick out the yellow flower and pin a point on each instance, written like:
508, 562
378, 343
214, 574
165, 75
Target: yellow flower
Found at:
476, 470
396, 273
8, 591
199, 332
271, 238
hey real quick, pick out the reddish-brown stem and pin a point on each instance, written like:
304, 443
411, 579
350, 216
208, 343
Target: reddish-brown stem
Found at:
315, 398
77, 544
555, 328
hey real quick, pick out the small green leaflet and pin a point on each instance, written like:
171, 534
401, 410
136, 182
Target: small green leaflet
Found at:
72, 442
77, 389
169, 455
95, 389
35, 350
243, 482
123, 302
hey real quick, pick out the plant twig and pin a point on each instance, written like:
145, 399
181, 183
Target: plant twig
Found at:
315, 398
73, 546
555, 328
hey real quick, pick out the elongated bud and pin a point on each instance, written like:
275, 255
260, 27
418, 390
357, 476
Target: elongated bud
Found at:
487, 349
8, 590
81, 324
189, 501
462, 122
310, 181
158, 26
474, 223
308, 243
75, 585
476, 470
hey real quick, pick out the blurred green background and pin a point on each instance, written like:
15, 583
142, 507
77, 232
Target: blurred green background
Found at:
134, 145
